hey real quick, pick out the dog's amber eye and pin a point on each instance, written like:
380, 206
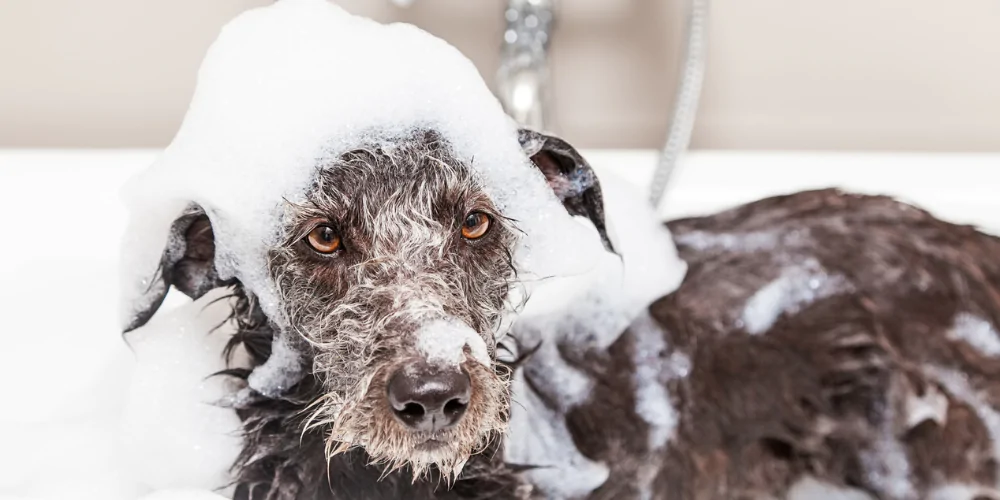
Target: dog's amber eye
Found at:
324, 239
475, 226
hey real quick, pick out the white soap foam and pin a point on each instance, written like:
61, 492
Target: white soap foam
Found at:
977, 332
884, 460
798, 285
590, 311
931, 405
751, 241
744, 242
887, 467
283, 369
538, 436
82, 374
287, 85
563, 385
444, 342
604, 300
173, 433
653, 403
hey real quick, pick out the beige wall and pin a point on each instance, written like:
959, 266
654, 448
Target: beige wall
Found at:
784, 74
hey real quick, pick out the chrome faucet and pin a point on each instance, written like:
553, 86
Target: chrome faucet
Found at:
523, 76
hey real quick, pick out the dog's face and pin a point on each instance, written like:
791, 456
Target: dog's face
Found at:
396, 271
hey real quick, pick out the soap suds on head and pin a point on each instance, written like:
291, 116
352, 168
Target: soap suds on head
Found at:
977, 332
299, 81
289, 85
445, 342
798, 285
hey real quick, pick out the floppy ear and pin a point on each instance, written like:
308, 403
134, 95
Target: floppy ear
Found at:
188, 264
570, 177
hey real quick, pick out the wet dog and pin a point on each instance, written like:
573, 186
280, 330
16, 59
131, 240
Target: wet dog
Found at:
397, 272
821, 344
434, 305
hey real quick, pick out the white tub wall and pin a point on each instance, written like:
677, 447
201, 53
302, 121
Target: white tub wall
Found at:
917, 75
78, 190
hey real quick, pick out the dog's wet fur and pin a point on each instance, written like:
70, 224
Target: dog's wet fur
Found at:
823, 391
404, 264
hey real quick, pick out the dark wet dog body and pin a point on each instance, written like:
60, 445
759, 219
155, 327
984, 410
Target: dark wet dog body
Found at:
813, 339
867, 376
813, 394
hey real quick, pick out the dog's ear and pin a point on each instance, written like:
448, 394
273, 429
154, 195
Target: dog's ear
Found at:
569, 175
188, 264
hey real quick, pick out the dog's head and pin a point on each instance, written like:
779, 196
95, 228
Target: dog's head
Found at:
397, 268
364, 189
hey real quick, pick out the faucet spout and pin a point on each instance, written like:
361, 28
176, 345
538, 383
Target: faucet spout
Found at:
523, 76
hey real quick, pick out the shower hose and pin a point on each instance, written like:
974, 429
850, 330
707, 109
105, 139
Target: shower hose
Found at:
686, 100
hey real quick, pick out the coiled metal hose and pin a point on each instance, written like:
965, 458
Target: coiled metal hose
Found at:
686, 101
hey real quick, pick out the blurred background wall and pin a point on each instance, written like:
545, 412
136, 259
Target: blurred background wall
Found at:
918, 75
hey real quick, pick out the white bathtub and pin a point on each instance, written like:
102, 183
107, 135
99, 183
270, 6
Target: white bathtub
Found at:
63, 365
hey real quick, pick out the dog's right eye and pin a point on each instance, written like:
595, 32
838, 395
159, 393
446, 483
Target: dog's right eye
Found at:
324, 240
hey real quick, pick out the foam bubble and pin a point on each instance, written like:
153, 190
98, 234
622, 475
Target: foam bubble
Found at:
443, 341
798, 285
173, 433
976, 332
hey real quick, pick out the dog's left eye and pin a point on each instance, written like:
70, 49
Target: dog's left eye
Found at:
324, 240
476, 225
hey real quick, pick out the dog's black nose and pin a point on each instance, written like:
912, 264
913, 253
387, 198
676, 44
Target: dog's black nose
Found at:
429, 399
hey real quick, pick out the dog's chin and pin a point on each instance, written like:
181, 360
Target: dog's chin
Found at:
445, 452
439, 452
